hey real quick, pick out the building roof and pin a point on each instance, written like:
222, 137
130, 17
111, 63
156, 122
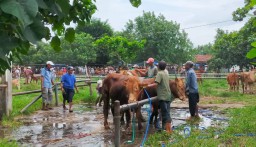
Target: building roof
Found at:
203, 58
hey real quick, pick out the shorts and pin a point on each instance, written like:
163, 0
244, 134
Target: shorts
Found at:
68, 95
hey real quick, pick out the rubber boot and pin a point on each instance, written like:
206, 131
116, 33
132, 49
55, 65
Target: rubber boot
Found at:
168, 128
44, 107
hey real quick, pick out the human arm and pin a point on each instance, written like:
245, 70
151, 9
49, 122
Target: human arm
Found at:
142, 73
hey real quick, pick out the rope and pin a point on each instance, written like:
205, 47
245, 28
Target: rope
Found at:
149, 110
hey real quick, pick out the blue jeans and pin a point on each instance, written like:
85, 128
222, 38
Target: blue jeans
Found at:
165, 111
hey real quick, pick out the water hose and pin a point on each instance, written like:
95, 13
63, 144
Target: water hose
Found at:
133, 129
149, 110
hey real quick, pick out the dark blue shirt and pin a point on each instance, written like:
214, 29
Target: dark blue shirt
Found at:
68, 81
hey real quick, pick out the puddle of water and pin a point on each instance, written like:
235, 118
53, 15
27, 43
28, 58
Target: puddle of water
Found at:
85, 127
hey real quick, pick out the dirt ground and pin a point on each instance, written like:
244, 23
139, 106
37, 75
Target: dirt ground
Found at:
84, 127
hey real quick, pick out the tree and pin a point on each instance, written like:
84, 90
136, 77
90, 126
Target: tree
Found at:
239, 15
25, 22
96, 28
164, 38
119, 48
79, 52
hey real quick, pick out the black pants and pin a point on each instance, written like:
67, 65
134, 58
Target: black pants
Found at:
193, 99
68, 95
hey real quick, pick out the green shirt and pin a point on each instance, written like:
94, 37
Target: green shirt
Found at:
163, 88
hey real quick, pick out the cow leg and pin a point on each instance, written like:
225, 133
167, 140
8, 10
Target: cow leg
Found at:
128, 118
122, 118
105, 111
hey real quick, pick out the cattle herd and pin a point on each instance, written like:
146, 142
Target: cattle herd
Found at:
247, 80
127, 88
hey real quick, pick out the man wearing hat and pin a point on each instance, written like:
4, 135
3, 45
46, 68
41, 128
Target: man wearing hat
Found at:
151, 71
68, 83
46, 85
192, 90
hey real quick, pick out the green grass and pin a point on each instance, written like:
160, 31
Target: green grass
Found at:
7, 143
242, 121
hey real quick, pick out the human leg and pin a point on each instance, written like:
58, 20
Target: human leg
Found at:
71, 93
192, 104
45, 98
64, 95
166, 118
49, 100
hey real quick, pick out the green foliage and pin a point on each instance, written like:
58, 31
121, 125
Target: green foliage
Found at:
240, 14
230, 48
8, 143
28, 21
96, 28
165, 40
119, 48
79, 52
135, 3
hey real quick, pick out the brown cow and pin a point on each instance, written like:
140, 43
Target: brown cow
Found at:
178, 91
233, 81
119, 87
247, 81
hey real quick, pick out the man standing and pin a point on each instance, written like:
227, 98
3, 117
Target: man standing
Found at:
164, 96
151, 71
192, 89
68, 83
46, 85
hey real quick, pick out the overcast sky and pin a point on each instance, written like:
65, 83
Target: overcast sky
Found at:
188, 13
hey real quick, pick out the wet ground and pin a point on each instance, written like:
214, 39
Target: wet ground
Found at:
84, 127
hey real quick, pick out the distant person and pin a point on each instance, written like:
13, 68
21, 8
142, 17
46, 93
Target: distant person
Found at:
17, 73
164, 96
192, 90
28, 73
68, 84
46, 85
151, 70
99, 92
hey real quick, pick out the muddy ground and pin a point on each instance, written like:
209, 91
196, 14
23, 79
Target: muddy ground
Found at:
84, 127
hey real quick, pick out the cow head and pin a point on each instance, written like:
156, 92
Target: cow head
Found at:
180, 88
132, 84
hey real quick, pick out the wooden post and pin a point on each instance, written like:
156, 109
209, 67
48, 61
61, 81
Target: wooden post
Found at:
90, 86
56, 94
117, 123
6, 94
